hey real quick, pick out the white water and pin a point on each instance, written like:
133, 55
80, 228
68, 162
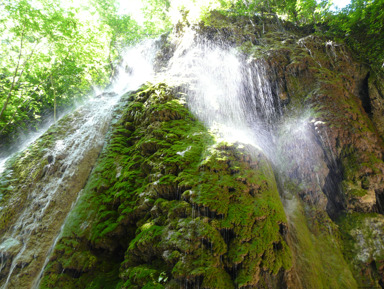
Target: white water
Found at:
86, 133
136, 67
234, 98
36, 283
81, 138
229, 93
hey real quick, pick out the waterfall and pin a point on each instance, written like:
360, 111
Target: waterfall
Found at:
232, 94
227, 91
39, 206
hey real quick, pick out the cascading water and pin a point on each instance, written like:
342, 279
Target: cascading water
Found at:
227, 91
39, 206
233, 96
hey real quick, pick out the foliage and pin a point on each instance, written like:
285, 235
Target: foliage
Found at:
52, 54
123, 29
157, 19
46, 50
298, 11
361, 24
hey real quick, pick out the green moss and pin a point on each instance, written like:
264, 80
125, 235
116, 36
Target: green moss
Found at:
5, 184
361, 234
167, 195
145, 276
317, 251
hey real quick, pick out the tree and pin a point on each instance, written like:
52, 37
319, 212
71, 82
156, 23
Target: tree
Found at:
38, 43
361, 24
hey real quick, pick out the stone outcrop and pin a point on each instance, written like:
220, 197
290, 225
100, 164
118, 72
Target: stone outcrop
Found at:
345, 176
333, 161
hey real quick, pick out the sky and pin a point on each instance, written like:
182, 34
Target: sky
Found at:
341, 3
132, 7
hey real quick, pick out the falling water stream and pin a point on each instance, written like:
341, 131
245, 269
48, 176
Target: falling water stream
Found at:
227, 91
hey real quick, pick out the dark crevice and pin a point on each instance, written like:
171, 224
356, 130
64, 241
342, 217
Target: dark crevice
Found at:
192, 283
283, 229
333, 190
206, 212
381, 283
227, 235
364, 95
207, 243
233, 271
380, 201
73, 273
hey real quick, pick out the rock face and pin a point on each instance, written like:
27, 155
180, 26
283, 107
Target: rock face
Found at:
346, 118
329, 143
167, 205
323, 77
345, 177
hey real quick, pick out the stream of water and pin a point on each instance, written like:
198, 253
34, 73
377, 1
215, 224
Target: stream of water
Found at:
226, 90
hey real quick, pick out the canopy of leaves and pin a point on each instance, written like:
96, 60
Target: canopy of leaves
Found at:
41, 41
54, 53
361, 24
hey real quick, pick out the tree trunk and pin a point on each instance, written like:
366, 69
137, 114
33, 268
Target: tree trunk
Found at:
54, 101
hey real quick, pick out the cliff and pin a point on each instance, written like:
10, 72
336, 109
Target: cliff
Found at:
171, 203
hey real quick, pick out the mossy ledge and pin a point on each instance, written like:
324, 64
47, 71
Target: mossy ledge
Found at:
168, 207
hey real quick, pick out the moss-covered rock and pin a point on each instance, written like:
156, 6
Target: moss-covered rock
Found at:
363, 247
39, 187
168, 207
173, 208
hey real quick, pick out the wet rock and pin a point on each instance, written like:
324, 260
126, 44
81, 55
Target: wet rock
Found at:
167, 207
376, 98
364, 247
107, 94
47, 179
50, 159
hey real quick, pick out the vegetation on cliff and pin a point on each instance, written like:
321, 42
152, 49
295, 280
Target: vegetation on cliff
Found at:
166, 204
